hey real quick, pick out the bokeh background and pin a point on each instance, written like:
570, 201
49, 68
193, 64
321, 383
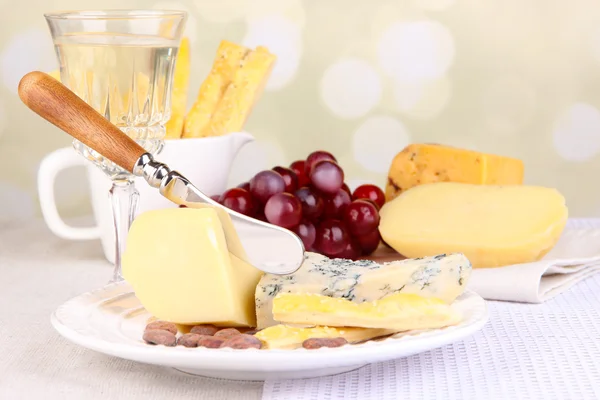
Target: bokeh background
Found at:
361, 79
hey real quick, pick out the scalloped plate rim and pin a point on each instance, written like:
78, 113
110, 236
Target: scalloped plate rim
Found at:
251, 360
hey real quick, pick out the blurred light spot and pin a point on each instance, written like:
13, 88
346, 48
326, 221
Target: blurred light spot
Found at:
25, 52
16, 203
222, 10
422, 100
434, 5
350, 88
416, 51
191, 22
255, 157
376, 142
291, 10
282, 38
393, 12
508, 105
577, 133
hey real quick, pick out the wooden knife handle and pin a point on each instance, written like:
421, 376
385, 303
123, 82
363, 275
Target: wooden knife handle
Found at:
54, 102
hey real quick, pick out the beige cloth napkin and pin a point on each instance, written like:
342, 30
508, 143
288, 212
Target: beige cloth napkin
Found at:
575, 257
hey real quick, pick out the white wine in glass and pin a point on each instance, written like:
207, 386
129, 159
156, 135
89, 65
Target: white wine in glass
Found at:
121, 63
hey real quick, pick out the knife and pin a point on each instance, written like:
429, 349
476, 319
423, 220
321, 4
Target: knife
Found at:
267, 247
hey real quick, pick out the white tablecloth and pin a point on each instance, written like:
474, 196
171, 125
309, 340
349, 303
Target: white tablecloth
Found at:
547, 351
526, 351
38, 272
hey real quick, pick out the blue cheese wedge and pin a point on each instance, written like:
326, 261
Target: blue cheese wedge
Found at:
444, 277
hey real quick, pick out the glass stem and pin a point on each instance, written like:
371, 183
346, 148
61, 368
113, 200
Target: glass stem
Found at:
123, 198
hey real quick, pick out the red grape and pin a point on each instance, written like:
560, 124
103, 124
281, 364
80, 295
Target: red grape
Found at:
298, 168
312, 203
284, 210
245, 186
336, 204
370, 192
369, 242
239, 200
265, 184
327, 176
347, 189
290, 178
316, 156
351, 252
182, 206
307, 232
216, 198
260, 215
331, 238
361, 217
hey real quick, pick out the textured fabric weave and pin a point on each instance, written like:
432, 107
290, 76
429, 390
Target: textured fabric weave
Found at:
526, 351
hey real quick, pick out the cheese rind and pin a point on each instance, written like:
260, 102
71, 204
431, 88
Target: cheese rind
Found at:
444, 277
491, 225
397, 311
420, 164
181, 270
288, 337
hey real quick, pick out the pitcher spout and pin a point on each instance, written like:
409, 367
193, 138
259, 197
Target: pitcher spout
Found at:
239, 140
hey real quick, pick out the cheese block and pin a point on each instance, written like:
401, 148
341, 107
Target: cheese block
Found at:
427, 163
242, 93
444, 277
397, 311
178, 263
289, 337
181, 78
227, 61
492, 225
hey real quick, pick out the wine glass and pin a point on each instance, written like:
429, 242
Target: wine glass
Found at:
121, 63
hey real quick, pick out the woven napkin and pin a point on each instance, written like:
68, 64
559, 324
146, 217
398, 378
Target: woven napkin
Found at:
575, 257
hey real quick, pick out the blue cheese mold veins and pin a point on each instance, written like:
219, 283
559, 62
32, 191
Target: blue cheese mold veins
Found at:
443, 276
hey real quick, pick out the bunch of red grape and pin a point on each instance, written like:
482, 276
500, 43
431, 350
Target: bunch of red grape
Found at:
311, 199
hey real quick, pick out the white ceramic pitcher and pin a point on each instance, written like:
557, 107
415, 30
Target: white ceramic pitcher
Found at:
204, 161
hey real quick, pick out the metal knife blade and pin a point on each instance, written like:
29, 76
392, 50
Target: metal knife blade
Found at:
267, 247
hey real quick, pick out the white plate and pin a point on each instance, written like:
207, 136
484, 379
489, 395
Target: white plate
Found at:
111, 321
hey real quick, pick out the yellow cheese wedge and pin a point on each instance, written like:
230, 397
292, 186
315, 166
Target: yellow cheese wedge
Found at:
242, 93
399, 311
227, 61
427, 163
181, 80
181, 270
491, 225
289, 337
231, 237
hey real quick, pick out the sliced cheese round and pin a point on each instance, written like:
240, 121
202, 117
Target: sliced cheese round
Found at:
492, 225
